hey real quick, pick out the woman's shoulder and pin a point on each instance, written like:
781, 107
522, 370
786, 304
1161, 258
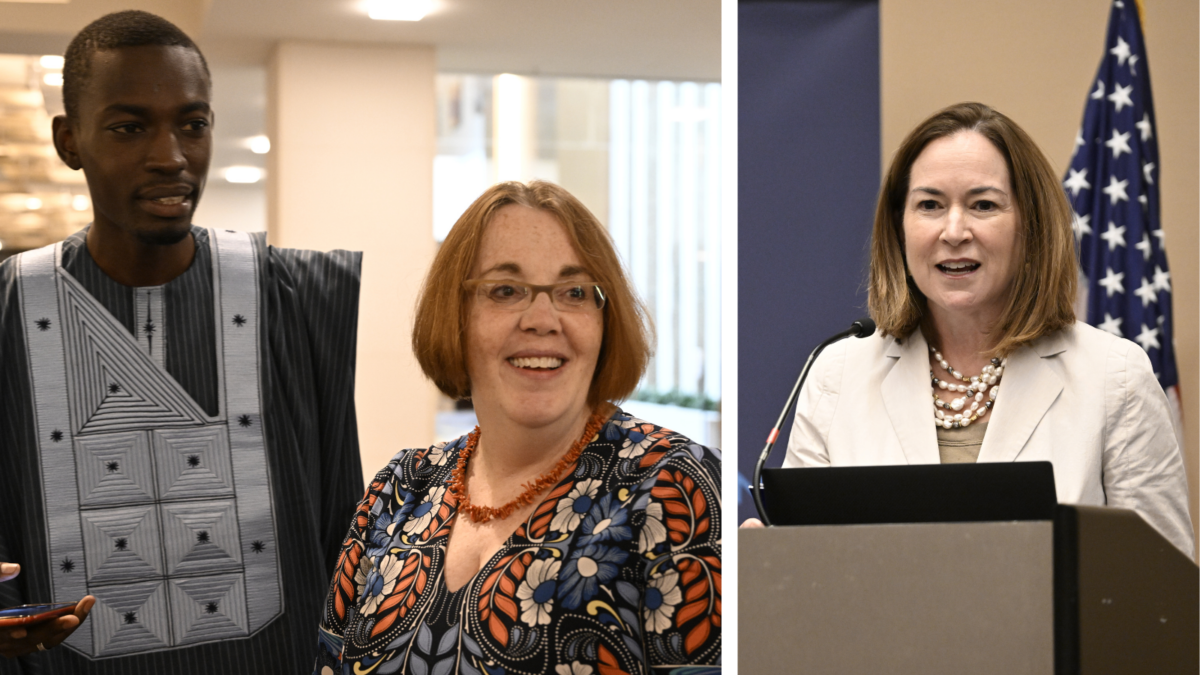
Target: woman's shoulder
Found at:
1090, 343
412, 468
872, 346
1090, 354
855, 362
649, 447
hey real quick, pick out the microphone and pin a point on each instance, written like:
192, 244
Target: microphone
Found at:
860, 329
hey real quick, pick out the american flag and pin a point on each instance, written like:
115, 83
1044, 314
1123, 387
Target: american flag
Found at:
1113, 187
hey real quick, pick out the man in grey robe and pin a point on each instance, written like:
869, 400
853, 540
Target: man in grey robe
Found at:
177, 429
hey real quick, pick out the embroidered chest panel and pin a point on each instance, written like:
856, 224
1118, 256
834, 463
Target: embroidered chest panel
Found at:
161, 511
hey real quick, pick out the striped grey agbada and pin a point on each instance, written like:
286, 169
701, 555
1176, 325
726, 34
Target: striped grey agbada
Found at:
196, 471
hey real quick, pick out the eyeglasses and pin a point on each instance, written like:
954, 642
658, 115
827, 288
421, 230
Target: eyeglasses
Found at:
572, 296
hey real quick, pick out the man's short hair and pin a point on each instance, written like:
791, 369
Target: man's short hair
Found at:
131, 28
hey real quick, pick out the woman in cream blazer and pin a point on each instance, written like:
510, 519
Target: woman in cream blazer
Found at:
1080, 398
972, 285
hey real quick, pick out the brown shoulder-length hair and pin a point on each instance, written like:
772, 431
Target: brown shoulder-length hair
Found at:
440, 327
1042, 297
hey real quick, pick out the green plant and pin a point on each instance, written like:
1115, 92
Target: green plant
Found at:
677, 398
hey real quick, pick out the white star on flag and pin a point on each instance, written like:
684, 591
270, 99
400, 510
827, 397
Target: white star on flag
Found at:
1146, 292
1121, 158
1120, 97
1148, 338
1121, 51
1162, 236
1112, 282
1115, 236
1112, 325
1144, 246
1119, 143
1116, 190
1079, 138
1077, 181
1162, 281
1144, 126
1081, 224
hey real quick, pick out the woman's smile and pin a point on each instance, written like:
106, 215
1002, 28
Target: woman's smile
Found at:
537, 371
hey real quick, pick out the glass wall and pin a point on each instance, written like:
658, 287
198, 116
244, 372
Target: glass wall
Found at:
645, 158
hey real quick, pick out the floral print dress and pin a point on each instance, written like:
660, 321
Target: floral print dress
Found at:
617, 570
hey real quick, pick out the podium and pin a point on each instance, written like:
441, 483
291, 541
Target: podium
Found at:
1094, 591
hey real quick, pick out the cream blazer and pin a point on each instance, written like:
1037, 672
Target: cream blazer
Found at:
1083, 399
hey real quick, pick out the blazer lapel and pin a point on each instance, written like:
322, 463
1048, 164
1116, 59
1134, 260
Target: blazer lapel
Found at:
907, 398
1027, 390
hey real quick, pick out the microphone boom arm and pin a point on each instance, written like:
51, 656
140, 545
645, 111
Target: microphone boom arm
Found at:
860, 328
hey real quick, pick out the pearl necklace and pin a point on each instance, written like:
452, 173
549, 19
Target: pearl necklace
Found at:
962, 411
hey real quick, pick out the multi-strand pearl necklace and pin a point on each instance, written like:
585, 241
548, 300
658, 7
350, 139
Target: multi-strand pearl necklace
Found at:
963, 410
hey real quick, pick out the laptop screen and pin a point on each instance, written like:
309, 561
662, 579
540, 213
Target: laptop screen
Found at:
924, 493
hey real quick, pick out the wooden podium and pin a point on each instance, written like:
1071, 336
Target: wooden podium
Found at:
1093, 592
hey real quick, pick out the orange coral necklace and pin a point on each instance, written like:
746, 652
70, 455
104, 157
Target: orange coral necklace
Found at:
482, 514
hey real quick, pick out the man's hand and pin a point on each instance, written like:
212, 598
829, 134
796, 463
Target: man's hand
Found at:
21, 640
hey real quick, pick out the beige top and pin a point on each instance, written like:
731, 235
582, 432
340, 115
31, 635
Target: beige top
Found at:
961, 446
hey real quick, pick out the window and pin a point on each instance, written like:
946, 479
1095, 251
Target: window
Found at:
645, 158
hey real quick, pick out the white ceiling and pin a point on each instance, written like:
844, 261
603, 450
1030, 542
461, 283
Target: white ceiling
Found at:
653, 39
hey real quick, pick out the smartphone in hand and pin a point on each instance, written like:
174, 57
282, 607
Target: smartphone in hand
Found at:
27, 614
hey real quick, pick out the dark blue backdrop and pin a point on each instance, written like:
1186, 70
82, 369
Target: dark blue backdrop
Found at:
808, 175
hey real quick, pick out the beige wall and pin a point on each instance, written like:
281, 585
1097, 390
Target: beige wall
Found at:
351, 166
1034, 60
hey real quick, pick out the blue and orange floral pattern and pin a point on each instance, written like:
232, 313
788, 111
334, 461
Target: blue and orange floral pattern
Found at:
617, 570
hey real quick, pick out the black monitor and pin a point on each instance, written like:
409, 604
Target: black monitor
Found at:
923, 493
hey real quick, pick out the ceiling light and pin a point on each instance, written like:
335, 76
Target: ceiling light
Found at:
53, 79
260, 145
80, 203
33, 204
52, 62
243, 174
398, 10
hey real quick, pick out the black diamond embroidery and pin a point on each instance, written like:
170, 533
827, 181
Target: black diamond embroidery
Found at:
239, 320
258, 546
130, 617
244, 421
113, 466
149, 328
211, 608
193, 461
122, 544
202, 536
114, 388
43, 324
67, 565
56, 435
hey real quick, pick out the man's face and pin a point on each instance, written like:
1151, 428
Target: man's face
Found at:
143, 137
